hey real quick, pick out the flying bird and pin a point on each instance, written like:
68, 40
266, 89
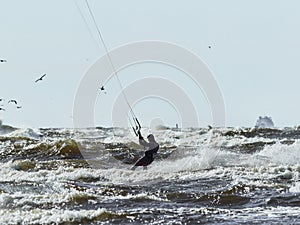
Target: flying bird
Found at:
1, 99
103, 89
3, 60
1, 109
19, 107
40, 79
13, 101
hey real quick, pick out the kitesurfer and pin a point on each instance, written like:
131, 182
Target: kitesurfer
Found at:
151, 150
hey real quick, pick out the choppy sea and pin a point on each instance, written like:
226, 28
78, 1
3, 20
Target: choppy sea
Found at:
200, 176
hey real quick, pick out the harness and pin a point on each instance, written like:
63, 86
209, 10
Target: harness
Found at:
151, 153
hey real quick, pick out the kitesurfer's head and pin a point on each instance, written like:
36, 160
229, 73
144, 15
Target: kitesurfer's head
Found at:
150, 138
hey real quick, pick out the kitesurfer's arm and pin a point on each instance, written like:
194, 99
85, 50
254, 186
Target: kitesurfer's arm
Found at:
142, 141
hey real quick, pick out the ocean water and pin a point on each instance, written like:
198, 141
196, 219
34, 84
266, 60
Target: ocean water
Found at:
200, 176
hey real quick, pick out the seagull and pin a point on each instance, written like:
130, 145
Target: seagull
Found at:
209, 46
103, 89
19, 107
3, 60
2, 99
13, 101
1, 109
40, 79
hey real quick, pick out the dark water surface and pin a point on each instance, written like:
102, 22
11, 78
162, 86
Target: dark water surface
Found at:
219, 176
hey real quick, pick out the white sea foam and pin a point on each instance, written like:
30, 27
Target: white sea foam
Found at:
295, 187
40, 216
282, 154
25, 133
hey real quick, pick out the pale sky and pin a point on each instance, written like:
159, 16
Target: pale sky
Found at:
254, 56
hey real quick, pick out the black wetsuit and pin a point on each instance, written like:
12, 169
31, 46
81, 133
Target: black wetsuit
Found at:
148, 158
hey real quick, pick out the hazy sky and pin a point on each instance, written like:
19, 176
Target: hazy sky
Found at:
254, 56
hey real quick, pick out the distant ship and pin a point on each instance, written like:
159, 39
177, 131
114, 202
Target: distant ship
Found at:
264, 122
